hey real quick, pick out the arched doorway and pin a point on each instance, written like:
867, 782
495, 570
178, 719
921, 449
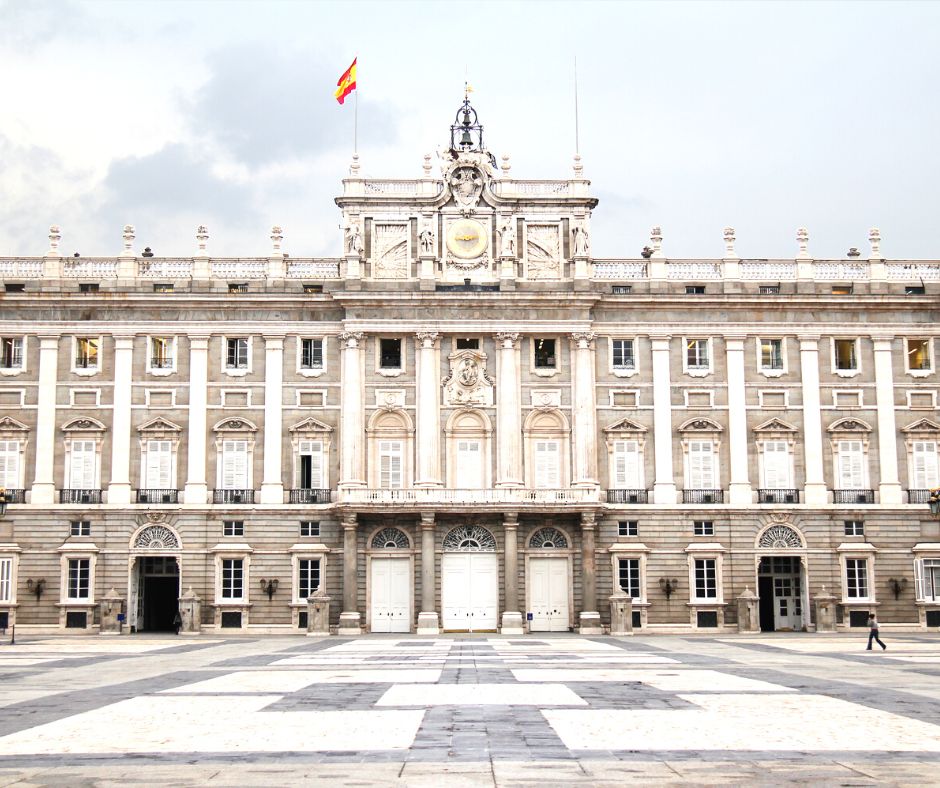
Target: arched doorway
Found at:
154, 580
469, 580
390, 581
548, 584
781, 581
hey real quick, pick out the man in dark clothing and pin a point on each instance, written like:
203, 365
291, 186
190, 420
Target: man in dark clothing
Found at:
873, 632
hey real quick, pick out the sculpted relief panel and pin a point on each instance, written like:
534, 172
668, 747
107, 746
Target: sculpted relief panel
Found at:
390, 258
543, 251
468, 382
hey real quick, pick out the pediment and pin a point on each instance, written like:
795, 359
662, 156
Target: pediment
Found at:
8, 424
84, 425
921, 426
311, 425
625, 425
775, 425
159, 424
701, 425
234, 425
849, 425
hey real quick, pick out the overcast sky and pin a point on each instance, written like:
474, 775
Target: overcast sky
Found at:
694, 116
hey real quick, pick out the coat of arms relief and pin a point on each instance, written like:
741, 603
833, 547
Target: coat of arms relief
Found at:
468, 382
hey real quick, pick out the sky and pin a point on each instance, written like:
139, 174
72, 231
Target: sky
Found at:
694, 116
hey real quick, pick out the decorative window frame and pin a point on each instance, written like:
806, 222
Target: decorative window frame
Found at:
390, 372
235, 429
705, 550
850, 429
625, 430
858, 550
631, 550
403, 430
457, 429
545, 372
234, 372
614, 392
86, 372
700, 429
762, 392
846, 373
74, 391
174, 350
83, 429
698, 372
922, 429
298, 552
775, 430
918, 373
931, 393
74, 551
12, 554
297, 398
149, 392
13, 430
922, 551
623, 372
159, 429
237, 551
310, 429
709, 392
860, 393
224, 394
538, 427
313, 372
768, 372
12, 372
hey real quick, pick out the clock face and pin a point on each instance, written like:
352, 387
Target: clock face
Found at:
466, 239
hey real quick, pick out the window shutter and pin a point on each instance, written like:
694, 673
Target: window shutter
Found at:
627, 464
10, 464
469, 465
776, 465
919, 589
701, 465
234, 465
159, 465
314, 450
6, 579
925, 465
82, 467
390, 476
851, 476
546, 464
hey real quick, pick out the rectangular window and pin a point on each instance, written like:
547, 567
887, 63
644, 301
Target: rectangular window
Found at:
627, 528
925, 466
11, 353
703, 528
914, 290
88, 287
628, 570
847, 399
918, 354
771, 354
161, 353
854, 528
312, 288
234, 465
390, 465
468, 343
10, 465
626, 465
702, 466
82, 462
159, 469
856, 578
308, 580
850, 461
233, 528
547, 464
695, 289
163, 287
311, 354
768, 289
842, 289
544, 353
846, 355
926, 579
80, 528
236, 353
696, 354
623, 357
706, 578
233, 580
311, 465
776, 468
14, 287
469, 469
79, 576
6, 580
390, 353
86, 353
238, 287
309, 528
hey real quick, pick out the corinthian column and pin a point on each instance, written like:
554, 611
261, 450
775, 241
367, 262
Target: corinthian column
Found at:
585, 413
508, 413
352, 409
428, 407
889, 489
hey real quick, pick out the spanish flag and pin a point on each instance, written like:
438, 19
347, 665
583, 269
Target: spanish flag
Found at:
346, 83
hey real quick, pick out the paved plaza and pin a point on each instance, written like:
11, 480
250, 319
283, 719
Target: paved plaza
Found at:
470, 710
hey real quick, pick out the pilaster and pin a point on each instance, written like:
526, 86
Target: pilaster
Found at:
739, 490
196, 492
119, 490
889, 488
272, 482
584, 403
815, 485
508, 413
43, 489
428, 623
351, 427
664, 486
512, 617
590, 618
349, 618
427, 371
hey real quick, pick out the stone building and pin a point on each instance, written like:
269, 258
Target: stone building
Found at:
468, 422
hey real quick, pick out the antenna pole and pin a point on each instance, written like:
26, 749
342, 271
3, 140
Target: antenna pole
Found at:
577, 141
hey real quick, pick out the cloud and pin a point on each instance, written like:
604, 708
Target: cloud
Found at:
27, 24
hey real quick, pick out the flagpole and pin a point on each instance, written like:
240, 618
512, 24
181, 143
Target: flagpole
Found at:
577, 142
356, 122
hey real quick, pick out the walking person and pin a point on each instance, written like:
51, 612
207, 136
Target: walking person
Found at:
873, 632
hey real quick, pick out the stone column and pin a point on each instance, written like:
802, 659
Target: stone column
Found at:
664, 486
427, 617
272, 482
815, 486
889, 489
508, 413
119, 490
585, 413
352, 410
590, 617
512, 616
349, 618
196, 492
739, 490
43, 490
427, 371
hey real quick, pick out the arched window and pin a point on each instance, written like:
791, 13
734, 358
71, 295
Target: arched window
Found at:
468, 436
546, 434
391, 442
470, 538
390, 539
548, 538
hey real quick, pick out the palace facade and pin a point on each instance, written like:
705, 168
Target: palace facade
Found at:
468, 423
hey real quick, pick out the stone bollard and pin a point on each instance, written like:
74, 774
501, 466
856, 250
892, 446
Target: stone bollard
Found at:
748, 618
824, 605
111, 610
621, 614
318, 614
190, 613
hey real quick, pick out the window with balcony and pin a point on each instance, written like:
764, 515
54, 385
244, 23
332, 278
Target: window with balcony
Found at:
10, 465
701, 469
237, 353
776, 465
390, 465
918, 355
11, 353
546, 455
925, 469
158, 472
235, 473
469, 458
850, 465
86, 353
310, 466
83, 465
390, 442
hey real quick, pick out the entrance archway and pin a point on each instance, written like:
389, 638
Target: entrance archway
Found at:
154, 572
469, 580
781, 580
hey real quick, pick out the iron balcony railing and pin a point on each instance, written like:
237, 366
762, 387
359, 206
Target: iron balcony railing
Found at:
76, 495
703, 496
233, 496
417, 495
627, 496
13, 495
158, 496
309, 495
853, 496
913, 496
778, 495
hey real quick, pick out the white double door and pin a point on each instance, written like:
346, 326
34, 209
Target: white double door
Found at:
390, 583
469, 591
548, 594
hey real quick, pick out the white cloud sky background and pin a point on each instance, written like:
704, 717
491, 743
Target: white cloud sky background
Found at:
694, 116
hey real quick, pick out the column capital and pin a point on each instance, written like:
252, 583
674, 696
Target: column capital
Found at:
882, 343
350, 522
198, 341
123, 341
427, 339
427, 520
274, 341
583, 338
351, 339
511, 520
810, 342
660, 341
49, 341
735, 342
588, 521
509, 339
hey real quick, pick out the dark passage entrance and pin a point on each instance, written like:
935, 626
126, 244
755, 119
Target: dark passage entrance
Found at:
765, 590
159, 593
